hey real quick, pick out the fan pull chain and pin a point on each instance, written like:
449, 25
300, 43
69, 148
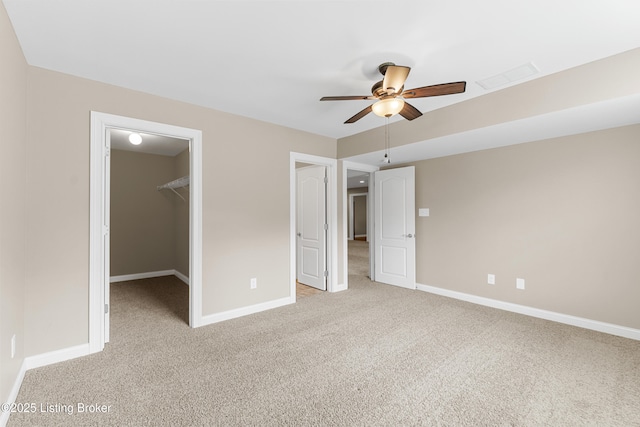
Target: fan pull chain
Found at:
387, 144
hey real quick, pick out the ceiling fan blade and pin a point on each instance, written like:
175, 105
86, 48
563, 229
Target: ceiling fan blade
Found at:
409, 112
346, 98
394, 78
435, 90
359, 115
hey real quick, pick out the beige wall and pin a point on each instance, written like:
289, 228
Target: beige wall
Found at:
13, 86
144, 220
560, 213
245, 234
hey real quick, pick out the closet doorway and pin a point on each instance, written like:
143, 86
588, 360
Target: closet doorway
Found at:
181, 196
149, 231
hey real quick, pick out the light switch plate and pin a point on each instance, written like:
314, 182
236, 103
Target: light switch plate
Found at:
520, 283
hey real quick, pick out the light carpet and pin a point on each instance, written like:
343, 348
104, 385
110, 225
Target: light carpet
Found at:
374, 355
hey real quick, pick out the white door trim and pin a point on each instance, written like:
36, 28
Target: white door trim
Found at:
332, 219
100, 123
348, 165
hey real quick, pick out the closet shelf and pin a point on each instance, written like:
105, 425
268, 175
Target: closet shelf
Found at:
176, 183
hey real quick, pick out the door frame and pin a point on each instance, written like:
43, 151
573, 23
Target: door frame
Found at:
361, 167
99, 222
332, 219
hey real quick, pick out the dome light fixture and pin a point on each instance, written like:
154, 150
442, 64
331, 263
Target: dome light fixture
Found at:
135, 138
388, 107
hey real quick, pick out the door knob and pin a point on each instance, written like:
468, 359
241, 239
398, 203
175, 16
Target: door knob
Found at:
299, 234
410, 235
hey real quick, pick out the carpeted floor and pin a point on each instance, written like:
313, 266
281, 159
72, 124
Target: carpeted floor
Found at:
374, 355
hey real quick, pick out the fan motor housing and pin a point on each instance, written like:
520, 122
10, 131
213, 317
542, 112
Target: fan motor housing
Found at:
377, 89
383, 67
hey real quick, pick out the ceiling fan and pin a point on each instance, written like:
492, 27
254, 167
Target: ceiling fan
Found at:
390, 94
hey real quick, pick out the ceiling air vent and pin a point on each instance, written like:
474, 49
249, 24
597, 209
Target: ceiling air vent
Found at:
510, 76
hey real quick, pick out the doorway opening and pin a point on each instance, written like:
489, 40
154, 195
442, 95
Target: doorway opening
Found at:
357, 182
149, 227
102, 125
330, 252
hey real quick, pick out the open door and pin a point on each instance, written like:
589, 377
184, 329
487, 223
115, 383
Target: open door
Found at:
394, 225
311, 226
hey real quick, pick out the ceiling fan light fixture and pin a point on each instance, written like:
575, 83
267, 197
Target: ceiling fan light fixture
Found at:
388, 107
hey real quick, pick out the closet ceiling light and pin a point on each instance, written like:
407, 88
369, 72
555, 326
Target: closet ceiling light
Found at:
135, 138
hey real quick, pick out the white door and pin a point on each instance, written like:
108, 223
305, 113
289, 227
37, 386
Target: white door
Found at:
311, 226
394, 225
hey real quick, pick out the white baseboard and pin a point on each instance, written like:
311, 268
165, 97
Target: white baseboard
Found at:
148, 275
137, 276
38, 361
244, 311
339, 287
568, 319
13, 394
56, 356
181, 276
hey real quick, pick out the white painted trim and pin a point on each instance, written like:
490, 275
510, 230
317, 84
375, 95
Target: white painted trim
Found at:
195, 231
567, 319
181, 276
149, 275
332, 218
39, 361
13, 394
348, 165
100, 123
245, 311
138, 276
341, 287
56, 356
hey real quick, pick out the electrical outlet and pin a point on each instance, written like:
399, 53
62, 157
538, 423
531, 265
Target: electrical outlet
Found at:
254, 283
520, 283
491, 279
13, 346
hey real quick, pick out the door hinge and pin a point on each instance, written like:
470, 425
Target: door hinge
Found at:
326, 180
326, 273
326, 227
106, 308
107, 151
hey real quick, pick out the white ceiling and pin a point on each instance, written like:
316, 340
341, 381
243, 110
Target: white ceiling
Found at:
273, 60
